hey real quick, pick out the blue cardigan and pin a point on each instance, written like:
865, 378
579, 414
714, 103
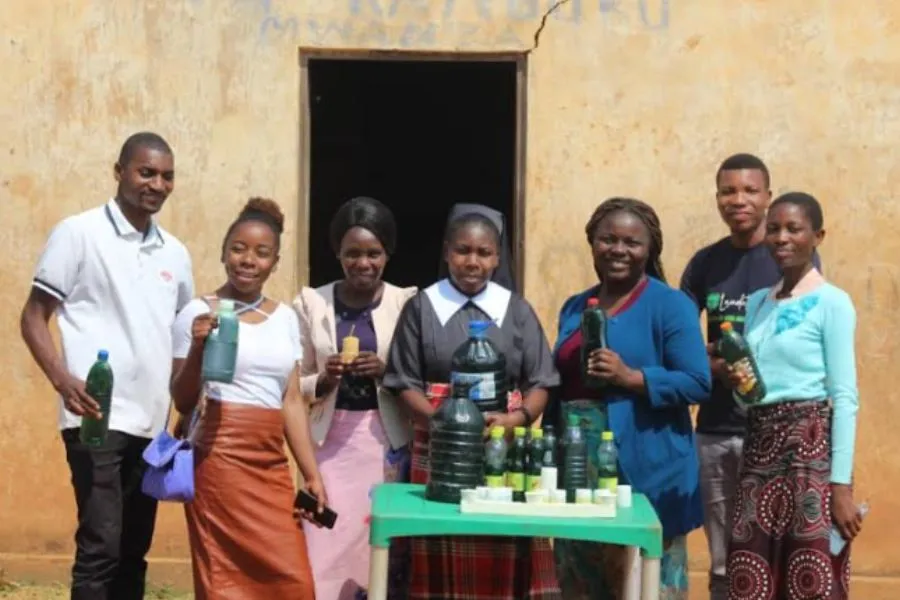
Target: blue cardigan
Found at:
660, 335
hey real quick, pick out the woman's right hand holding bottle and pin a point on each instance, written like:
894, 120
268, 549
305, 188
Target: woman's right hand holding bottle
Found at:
202, 327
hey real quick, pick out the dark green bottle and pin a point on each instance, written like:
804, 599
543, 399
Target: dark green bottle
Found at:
593, 336
734, 349
575, 459
456, 447
515, 465
550, 447
535, 460
99, 386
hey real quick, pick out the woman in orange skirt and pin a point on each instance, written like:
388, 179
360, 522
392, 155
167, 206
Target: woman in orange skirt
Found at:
245, 541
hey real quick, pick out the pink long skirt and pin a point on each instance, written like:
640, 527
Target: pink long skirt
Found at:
355, 457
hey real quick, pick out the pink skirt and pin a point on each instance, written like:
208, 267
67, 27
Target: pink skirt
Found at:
355, 457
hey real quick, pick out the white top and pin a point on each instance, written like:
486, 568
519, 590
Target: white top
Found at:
267, 353
447, 300
120, 291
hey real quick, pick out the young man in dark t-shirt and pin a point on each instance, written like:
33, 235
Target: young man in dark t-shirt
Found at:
720, 278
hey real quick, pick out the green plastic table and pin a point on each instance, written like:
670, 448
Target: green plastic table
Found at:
401, 510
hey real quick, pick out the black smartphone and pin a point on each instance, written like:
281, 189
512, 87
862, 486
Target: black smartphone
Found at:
308, 502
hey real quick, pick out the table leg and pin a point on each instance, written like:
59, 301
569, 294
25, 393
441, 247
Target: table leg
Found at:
631, 586
650, 579
378, 573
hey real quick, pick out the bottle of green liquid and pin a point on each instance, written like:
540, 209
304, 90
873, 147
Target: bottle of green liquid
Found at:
734, 349
549, 446
99, 386
495, 458
593, 334
220, 349
575, 458
607, 463
515, 466
535, 460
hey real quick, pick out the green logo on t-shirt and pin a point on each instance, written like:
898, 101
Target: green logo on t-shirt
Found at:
712, 300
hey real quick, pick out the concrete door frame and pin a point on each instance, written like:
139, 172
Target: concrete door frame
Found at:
521, 109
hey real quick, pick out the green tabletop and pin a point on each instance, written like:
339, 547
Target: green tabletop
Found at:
401, 510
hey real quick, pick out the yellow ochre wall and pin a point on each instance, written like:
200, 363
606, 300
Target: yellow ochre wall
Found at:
636, 97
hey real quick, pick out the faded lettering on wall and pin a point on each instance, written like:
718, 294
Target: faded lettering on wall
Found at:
408, 24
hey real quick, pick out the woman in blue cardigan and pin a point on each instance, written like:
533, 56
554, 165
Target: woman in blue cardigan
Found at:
655, 367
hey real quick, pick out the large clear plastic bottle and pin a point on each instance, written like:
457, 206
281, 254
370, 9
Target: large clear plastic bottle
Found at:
478, 362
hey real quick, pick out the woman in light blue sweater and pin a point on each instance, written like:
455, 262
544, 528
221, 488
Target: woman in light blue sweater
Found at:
798, 454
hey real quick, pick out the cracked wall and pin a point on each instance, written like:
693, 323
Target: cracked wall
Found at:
637, 97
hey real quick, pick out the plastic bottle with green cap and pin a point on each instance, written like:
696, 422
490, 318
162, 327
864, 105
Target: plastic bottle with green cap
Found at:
515, 465
221, 347
495, 458
99, 386
607, 463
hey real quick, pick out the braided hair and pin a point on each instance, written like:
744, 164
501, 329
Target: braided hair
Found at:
648, 217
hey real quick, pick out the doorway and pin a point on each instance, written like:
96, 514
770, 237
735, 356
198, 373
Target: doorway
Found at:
418, 135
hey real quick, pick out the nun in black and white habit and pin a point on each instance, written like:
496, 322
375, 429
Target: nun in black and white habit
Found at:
431, 327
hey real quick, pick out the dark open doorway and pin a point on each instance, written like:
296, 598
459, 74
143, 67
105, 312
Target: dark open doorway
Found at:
419, 135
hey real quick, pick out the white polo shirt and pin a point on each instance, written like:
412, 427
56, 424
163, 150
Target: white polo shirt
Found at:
120, 291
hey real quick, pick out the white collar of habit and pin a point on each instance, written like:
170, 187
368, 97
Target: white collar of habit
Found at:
493, 300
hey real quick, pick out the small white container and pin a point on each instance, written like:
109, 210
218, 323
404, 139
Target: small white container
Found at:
606, 500
584, 496
549, 478
604, 496
495, 494
536, 496
558, 496
623, 496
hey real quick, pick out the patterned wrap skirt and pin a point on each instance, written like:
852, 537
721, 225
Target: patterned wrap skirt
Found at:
245, 542
592, 571
476, 567
782, 522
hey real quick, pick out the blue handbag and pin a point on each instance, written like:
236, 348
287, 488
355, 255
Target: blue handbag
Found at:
169, 476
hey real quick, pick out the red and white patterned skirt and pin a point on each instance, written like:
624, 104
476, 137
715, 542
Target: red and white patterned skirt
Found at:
782, 520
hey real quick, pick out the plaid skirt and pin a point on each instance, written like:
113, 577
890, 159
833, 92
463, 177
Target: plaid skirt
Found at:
476, 567
782, 522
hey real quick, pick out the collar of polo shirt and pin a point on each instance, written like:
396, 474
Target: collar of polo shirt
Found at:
125, 229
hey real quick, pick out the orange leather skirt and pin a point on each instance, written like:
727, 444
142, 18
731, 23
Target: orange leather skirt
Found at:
245, 542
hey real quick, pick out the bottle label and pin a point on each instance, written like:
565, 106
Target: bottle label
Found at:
516, 481
548, 460
495, 481
608, 483
532, 482
744, 368
483, 385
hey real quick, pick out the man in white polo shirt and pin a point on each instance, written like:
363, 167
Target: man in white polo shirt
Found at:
115, 280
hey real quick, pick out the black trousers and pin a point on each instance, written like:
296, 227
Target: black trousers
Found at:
115, 519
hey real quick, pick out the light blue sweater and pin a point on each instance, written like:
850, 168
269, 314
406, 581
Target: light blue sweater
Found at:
805, 349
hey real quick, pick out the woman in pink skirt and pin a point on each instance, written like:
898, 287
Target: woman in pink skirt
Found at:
361, 432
